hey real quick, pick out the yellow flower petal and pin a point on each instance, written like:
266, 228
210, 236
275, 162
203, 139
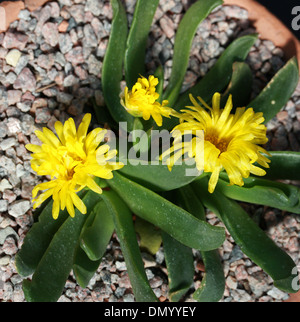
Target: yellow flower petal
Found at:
70, 159
230, 140
78, 203
83, 127
141, 101
93, 185
70, 206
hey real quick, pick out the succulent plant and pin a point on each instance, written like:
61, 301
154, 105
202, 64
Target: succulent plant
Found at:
169, 206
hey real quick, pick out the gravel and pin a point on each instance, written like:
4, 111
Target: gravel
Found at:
50, 63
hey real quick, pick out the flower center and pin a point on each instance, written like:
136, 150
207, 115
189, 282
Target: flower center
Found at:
220, 144
70, 174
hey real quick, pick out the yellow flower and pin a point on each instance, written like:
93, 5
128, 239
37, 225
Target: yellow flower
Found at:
230, 140
141, 101
72, 158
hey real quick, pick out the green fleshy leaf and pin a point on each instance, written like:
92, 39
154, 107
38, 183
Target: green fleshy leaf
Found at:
279, 90
150, 237
159, 73
252, 240
137, 40
183, 43
260, 191
141, 138
84, 268
240, 86
122, 218
172, 219
213, 284
158, 177
54, 267
37, 240
180, 265
39, 237
112, 69
284, 165
220, 74
96, 235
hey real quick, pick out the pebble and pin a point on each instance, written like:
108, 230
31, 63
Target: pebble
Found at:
77, 12
9, 247
13, 57
75, 56
94, 66
121, 266
19, 208
94, 6
7, 143
25, 81
50, 33
6, 232
277, 294
65, 43
4, 260
4, 184
90, 36
167, 26
14, 40
13, 97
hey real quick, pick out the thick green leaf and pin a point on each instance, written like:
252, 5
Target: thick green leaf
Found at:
112, 69
96, 235
261, 191
294, 209
183, 43
213, 284
137, 40
37, 240
251, 239
284, 165
125, 231
150, 236
40, 209
279, 90
141, 138
159, 73
240, 86
180, 265
54, 267
175, 221
158, 177
84, 268
220, 74
190, 202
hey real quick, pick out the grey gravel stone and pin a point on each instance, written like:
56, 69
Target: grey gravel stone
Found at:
4, 184
3, 130
4, 233
25, 81
3, 205
277, 294
94, 6
4, 260
7, 143
65, 45
19, 208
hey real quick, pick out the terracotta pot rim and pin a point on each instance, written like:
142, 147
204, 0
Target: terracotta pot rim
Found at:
269, 27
